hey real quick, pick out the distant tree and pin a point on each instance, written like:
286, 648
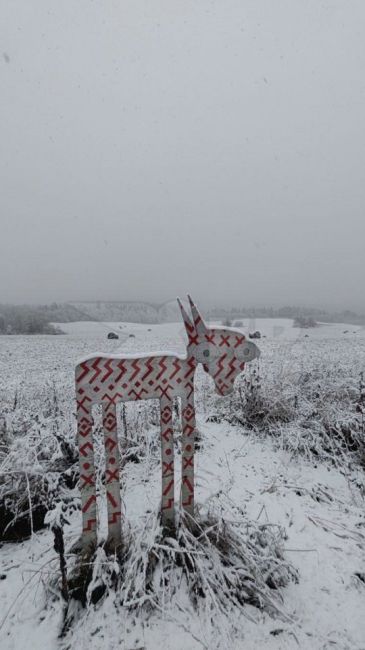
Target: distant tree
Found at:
22, 319
304, 322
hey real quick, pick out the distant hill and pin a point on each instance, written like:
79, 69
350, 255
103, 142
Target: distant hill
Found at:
145, 312
63, 313
132, 312
28, 319
128, 311
293, 312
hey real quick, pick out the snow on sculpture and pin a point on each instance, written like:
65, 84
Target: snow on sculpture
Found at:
109, 379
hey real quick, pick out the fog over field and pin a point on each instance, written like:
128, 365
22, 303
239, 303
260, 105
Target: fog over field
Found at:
153, 148
185, 475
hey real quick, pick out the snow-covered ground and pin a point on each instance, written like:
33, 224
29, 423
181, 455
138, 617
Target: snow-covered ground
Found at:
320, 504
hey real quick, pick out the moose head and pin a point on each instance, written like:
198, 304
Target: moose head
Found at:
223, 352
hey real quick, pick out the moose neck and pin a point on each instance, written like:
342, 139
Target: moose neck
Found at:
191, 352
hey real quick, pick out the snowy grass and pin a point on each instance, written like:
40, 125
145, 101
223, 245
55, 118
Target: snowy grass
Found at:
214, 566
280, 490
310, 404
224, 559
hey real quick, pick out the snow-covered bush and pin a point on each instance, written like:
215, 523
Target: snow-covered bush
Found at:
313, 405
38, 465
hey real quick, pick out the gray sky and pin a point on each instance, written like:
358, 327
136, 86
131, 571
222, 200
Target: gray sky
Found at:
150, 148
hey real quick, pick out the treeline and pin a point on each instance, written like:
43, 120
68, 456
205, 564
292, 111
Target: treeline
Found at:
23, 319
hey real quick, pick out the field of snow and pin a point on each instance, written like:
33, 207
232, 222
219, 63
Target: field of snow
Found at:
277, 455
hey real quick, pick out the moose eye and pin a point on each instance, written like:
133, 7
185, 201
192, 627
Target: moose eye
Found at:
206, 353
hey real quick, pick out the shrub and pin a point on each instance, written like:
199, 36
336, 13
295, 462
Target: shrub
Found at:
304, 322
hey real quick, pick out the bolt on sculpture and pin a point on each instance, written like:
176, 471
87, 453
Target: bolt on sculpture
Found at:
109, 379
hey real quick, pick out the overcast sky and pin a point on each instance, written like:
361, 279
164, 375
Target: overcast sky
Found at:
154, 147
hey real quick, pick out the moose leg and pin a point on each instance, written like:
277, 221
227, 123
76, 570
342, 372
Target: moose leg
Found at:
167, 460
187, 454
112, 476
87, 472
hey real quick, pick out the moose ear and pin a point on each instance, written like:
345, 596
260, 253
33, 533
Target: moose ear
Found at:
190, 329
200, 326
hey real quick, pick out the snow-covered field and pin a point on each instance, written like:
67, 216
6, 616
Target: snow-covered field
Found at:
276, 452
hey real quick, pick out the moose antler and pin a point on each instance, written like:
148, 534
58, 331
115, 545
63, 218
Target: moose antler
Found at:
190, 329
200, 326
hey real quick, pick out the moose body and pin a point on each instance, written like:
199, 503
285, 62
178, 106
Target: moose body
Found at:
110, 379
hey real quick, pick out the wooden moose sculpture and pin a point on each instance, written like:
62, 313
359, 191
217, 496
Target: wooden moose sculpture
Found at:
109, 379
